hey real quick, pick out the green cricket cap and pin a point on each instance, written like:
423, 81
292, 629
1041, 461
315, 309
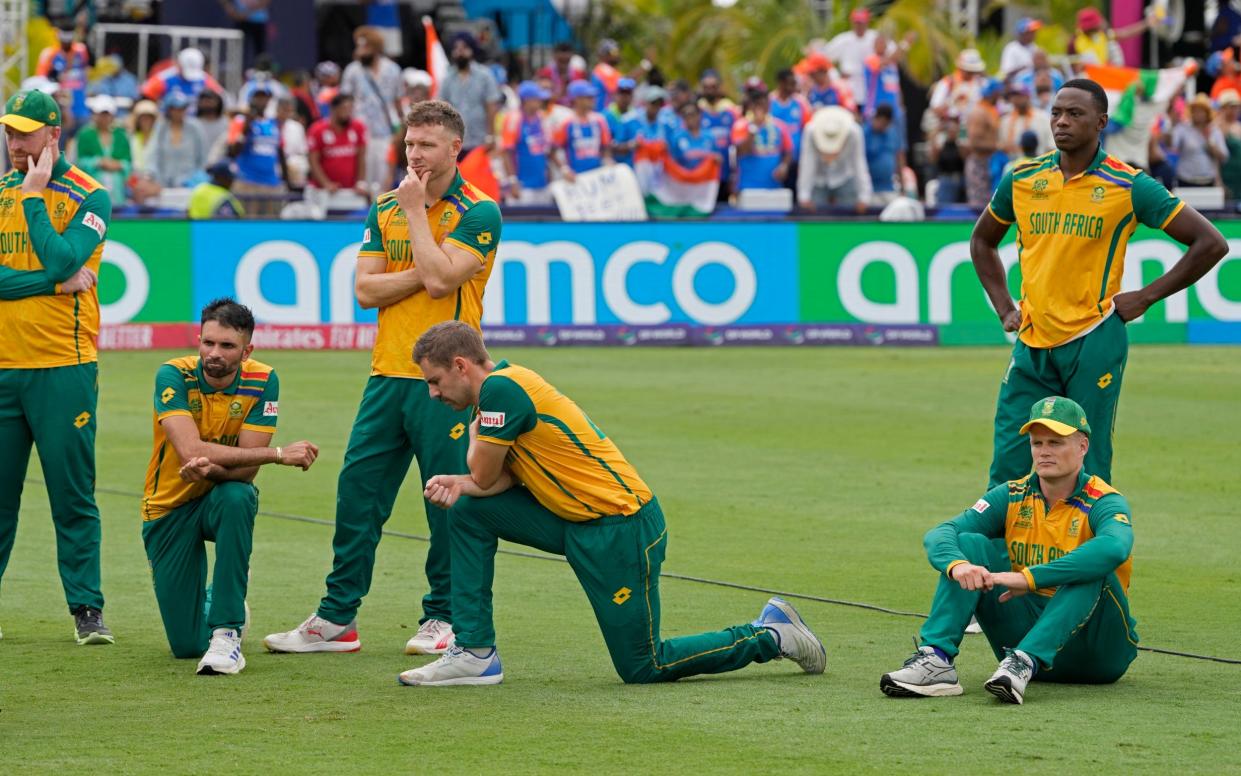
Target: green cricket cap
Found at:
28, 111
1064, 416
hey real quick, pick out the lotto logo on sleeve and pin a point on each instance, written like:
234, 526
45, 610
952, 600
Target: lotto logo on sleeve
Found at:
980, 506
491, 419
96, 223
271, 409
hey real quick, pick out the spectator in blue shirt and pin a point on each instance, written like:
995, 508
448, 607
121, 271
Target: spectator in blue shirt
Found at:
254, 142
615, 114
584, 138
885, 153
525, 143
690, 145
763, 144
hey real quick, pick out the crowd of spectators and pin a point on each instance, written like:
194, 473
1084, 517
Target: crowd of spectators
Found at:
832, 131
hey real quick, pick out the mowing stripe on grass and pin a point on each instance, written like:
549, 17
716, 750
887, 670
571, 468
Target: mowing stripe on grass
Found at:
665, 574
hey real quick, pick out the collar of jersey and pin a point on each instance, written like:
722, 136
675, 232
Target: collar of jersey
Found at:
454, 188
206, 387
503, 364
1036, 484
1099, 156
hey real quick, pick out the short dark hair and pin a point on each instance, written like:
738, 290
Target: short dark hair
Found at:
227, 312
785, 74
339, 99
1098, 96
436, 113
443, 342
883, 110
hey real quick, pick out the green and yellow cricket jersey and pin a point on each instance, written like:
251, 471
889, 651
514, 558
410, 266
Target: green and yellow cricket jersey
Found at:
557, 453
464, 217
251, 402
1071, 238
44, 238
1083, 538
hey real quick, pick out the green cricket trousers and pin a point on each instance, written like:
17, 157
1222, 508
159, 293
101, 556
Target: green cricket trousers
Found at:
54, 409
1083, 634
177, 551
1088, 370
396, 422
616, 560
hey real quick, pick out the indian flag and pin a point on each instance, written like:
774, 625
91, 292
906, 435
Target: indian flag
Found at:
1122, 85
672, 190
437, 60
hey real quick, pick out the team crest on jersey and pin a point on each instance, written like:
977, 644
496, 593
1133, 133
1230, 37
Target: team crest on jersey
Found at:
234, 409
61, 210
491, 419
1025, 516
1097, 194
7, 204
1039, 189
445, 217
1075, 526
196, 407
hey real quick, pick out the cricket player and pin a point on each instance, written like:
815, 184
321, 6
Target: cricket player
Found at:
427, 252
1075, 210
53, 218
1052, 599
215, 414
543, 475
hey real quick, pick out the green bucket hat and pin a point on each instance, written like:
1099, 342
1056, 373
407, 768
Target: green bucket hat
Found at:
28, 111
1064, 416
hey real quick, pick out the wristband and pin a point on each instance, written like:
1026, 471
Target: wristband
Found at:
279, 455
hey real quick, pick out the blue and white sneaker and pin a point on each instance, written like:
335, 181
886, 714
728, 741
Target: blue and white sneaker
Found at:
794, 638
224, 655
456, 666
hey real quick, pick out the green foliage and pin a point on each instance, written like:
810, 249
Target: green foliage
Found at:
805, 470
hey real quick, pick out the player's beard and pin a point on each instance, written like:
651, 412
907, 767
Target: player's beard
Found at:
218, 369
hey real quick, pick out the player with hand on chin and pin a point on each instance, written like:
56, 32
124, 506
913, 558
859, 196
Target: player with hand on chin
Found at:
428, 249
53, 218
215, 415
542, 474
1052, 599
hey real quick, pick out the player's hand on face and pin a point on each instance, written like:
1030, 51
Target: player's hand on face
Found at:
82, 280
40, 172
195, 469
1015, 582
301, 454
412, 193
1129, 305
1012, 321
971, 577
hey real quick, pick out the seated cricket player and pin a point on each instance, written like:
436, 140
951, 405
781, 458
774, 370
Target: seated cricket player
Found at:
1052, 601
543, 475
215, 414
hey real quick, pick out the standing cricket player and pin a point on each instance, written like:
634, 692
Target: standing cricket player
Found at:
215, 414
53, 218
543, 475
1075, 210
1052, 599
427, 252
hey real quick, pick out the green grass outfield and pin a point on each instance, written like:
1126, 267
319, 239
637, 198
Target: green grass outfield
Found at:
807, 470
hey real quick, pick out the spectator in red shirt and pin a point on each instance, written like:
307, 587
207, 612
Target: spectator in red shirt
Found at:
338, 150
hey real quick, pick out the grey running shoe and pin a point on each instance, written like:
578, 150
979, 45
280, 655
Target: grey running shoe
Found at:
794, 638
88, 627
925, 675
1009, 681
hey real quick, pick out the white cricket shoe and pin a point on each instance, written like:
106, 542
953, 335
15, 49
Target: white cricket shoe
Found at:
973, 627
224, 655
316, 635
794, 638
1009, 681
456, 666
434, 637
925, 675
